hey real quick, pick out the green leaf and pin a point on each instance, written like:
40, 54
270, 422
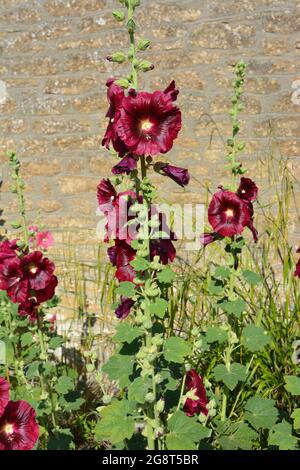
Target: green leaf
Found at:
215, 287
56, 342
126, 289
254, 338
64, 384
234, 307
26, 339
261, 412
140, 264
126, 333
252, 278
292, 384
138, 389
215, 334
176, 349
185, 432
236, 373
119, 367
281, 436
296, 416
166, 276
115, 424
159, 308
239, 436
222, 272
61, 440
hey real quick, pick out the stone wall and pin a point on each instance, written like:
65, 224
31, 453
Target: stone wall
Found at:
53, 101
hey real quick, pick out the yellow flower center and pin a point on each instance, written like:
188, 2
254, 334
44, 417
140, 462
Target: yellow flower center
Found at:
146, 125
8, 429
229, 213
33, 269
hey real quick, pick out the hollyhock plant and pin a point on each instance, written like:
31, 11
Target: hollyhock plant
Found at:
44, 240
149, 123
193, 406
18, 427
4, 394
8, 250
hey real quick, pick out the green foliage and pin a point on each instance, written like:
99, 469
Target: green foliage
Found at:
119, 367
185, 433
254, 338
176, 349
292, 384
261, 412
116, 424
281, 437
232, 375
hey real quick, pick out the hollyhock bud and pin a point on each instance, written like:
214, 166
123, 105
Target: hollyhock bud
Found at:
4, 394
18, 427
181, 176
143, 44
118, 15
144, 66
117, 57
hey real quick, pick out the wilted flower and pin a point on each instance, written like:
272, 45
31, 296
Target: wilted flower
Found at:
181, 176
194, 383
126, 165
29, 308
207, 238
120, 255
18, 427
4, 394
149, 122
123, 310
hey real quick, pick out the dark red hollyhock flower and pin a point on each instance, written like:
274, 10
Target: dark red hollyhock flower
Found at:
297, 271
4, 394
228, 214
18, 427
171, 91
247, 189
163, 248
8, 249
115, 95
149, 122
181, 176
194, 382
116, 207
106, 194
42, 295
123, 310
12, 280
120, 255
29, 308
37, 269
126, 165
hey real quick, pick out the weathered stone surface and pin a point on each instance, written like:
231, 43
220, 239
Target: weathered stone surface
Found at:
223, 35
73, 7
70, 86
61, 126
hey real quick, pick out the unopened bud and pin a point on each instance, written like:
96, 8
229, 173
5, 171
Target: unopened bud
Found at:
160, 406
143, 44
150, 397
119, 15
118, 57
144, 66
